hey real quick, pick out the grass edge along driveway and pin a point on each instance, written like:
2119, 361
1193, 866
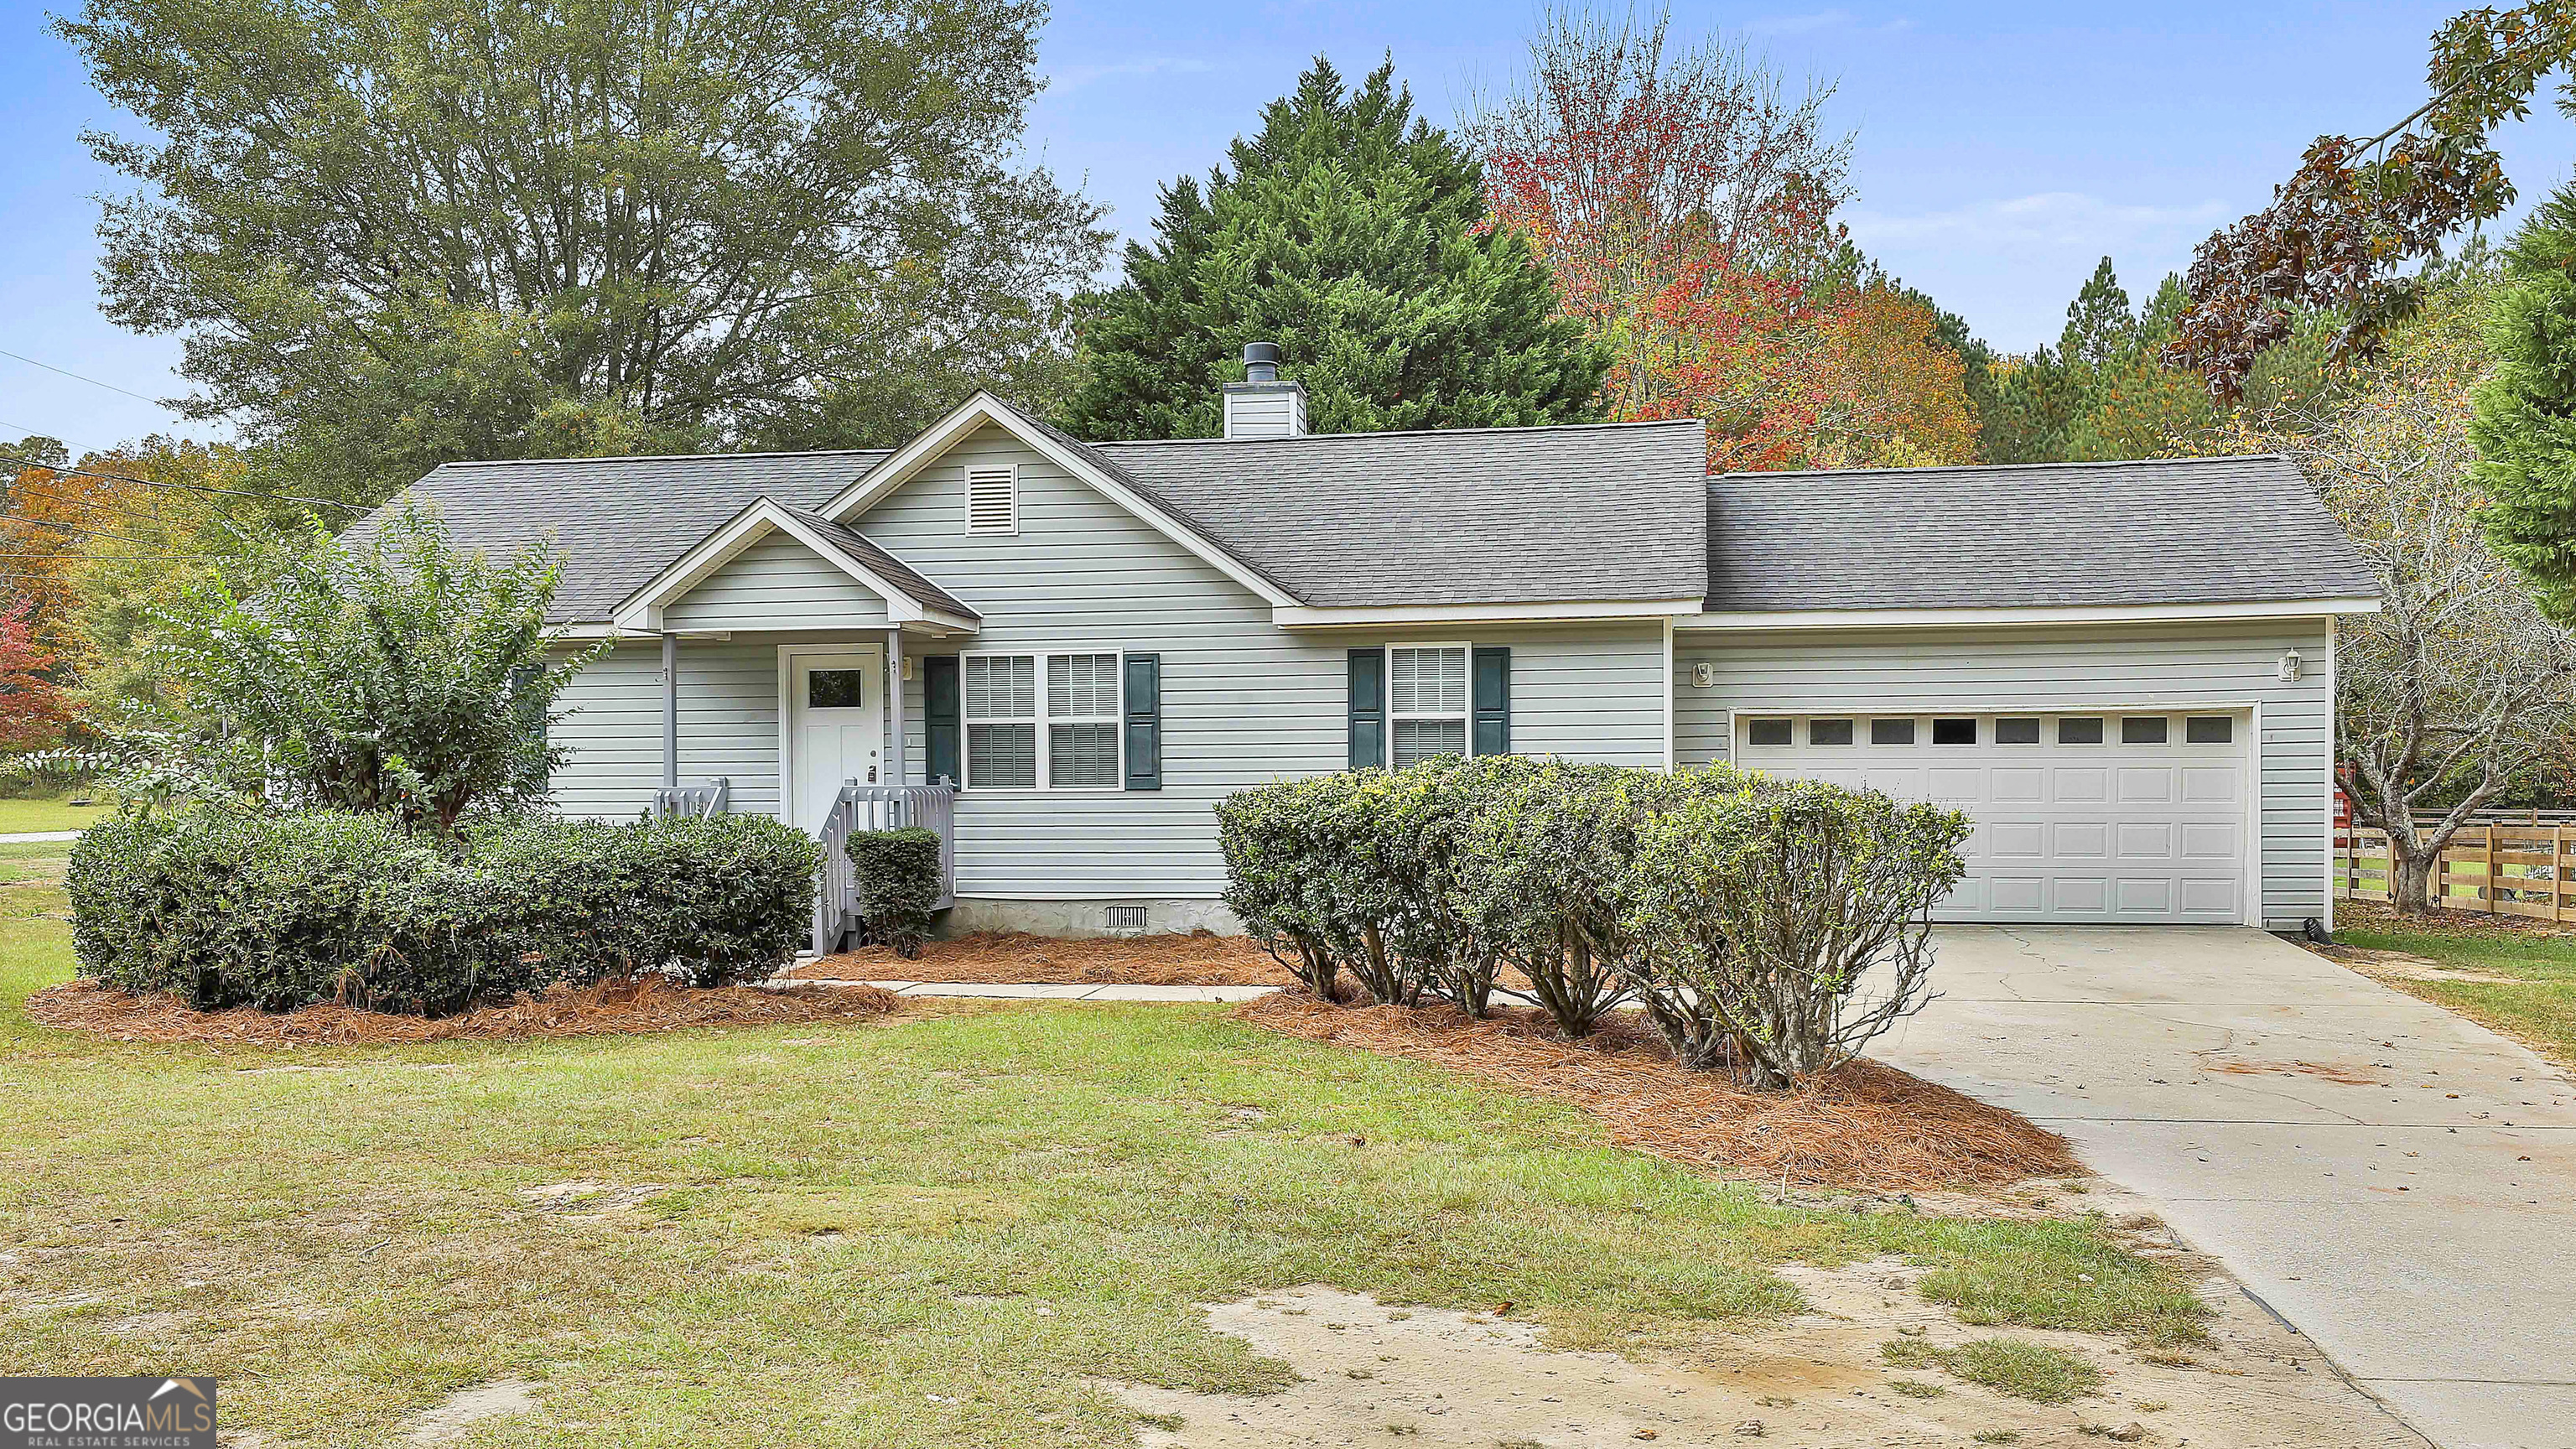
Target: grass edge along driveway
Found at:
847, 1234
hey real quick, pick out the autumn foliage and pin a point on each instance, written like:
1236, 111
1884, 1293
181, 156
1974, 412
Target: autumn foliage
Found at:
32, 710
1686, 206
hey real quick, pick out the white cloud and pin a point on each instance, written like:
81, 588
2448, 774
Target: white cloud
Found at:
1073, 77
2047, 219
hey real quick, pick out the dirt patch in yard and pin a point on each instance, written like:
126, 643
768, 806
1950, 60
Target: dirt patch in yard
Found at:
1197, 959
1372, 1372
1865, 1126
608, 1009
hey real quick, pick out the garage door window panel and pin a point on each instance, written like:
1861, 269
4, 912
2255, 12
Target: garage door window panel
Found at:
1768, 732
1829, 732
2209, 729
2079, 730
2016, 731
1891, 732
2144, 729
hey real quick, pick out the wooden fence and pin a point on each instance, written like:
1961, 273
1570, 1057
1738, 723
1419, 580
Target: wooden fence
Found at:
2495, 870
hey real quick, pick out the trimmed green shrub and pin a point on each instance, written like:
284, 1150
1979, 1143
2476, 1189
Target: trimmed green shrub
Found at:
1739, 911
895, 875
1758, 914
227, 908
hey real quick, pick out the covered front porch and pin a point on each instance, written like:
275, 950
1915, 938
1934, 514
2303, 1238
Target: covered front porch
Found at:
841, 621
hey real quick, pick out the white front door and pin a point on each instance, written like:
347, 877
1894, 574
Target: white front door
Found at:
835, 728
2094, 816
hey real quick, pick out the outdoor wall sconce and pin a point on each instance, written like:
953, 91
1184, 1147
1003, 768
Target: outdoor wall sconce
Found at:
2290, 664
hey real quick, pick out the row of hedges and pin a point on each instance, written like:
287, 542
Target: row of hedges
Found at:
227, 908
1740, 912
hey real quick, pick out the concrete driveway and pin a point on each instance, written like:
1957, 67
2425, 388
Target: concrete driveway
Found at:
2396, 1182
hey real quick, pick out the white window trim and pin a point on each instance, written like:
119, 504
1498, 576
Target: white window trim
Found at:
966, 481
1466, 716
1045, 785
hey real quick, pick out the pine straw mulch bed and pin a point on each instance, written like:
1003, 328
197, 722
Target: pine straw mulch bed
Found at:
1866, 1126
1199, 959
607, 1009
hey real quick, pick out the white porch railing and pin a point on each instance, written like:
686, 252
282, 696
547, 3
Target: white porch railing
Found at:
878, 807
698, 800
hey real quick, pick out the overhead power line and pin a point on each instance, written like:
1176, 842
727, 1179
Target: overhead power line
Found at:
94, 382
34, 522
184, 487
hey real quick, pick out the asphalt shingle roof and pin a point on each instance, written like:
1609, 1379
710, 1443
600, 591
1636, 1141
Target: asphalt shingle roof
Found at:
619, 521
1466, 516
2160, 531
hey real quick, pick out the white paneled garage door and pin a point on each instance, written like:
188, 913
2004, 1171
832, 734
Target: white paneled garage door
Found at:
2106, 817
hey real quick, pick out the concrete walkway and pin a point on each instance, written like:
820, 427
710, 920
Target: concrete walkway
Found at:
37, 837
2397, 1183
1045, 991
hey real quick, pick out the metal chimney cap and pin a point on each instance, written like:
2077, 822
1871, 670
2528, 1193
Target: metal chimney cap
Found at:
1261, 362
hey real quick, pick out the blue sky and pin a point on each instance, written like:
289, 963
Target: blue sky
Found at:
2000, 149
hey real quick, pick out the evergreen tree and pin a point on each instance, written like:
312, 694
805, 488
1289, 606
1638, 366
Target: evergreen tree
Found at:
2525, 425
2099, 329
1355, 236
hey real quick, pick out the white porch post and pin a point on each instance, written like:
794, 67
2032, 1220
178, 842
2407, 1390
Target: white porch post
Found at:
671, 711
894, 708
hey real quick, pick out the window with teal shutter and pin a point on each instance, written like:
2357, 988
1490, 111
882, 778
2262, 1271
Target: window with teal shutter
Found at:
1144, 721
940, 720
1368, 708
1494, 701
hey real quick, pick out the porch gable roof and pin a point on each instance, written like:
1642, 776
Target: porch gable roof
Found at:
910, 598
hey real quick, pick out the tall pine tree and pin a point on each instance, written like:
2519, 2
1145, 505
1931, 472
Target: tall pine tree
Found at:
1355, 236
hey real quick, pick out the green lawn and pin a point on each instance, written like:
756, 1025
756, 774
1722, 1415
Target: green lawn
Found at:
2538, 1005
58, 813
850, 1219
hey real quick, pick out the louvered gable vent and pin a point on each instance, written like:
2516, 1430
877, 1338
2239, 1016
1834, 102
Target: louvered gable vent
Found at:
993, 499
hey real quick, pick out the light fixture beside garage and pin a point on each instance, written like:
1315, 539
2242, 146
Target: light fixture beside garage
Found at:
1703, 675
2290, 664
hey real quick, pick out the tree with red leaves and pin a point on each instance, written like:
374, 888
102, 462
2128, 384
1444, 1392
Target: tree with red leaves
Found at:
1685, 205
32, 711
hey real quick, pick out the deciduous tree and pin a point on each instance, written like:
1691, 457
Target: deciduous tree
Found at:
32, 708
2460, 684
399, 232
2341, 230
1684, 202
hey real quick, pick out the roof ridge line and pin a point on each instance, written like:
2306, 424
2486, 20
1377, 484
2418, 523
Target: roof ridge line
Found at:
1410, 433
2003, 467
662, 457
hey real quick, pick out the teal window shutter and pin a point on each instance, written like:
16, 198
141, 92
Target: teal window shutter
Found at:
1368, 708
1144, 690
939, 719
1493, 701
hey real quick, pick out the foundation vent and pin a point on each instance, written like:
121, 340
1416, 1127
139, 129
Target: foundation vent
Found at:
1126, 918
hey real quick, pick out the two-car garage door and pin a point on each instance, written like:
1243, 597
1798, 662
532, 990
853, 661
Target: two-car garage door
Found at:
2080, 817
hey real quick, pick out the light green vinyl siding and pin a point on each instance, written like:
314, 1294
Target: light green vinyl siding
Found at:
1244, 701
2041, 668
728, 727
777, 583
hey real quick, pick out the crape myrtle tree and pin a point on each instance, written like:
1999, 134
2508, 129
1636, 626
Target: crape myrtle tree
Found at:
2460, 685
1354, 235
388, 671
395, 233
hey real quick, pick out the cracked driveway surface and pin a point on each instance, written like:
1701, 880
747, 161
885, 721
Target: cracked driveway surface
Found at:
2395, 1181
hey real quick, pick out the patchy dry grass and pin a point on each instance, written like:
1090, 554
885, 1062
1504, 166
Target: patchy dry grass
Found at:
2535, 1003
2032, 1371
943, 1228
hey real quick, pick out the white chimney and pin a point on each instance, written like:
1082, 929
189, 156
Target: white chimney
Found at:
1261, 406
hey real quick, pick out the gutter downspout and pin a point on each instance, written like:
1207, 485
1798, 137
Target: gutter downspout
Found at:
671, 711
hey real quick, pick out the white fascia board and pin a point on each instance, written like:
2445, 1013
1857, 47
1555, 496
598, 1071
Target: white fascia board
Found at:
642, 609
1379, 616
2066, 614
984, 408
